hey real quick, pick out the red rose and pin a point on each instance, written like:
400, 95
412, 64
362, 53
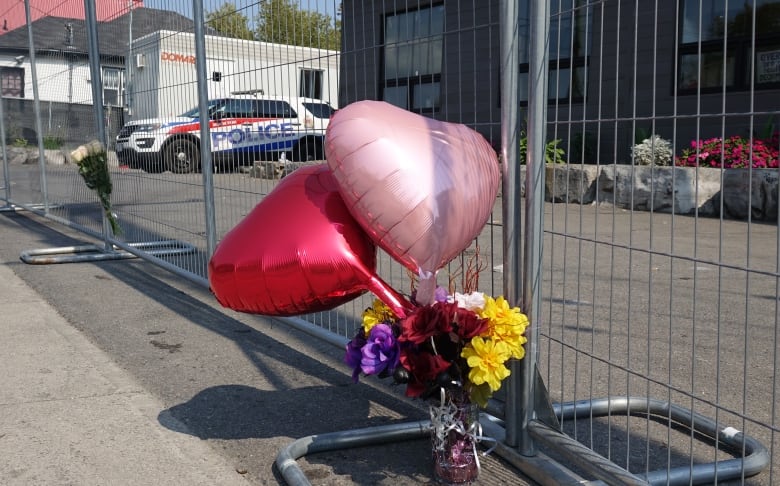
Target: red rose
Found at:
425, 322
468, 324
423, 368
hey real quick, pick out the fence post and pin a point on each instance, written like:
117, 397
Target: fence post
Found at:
510, 200
4, 154
97, 92
37, 105
206, 163
536, 131
94, 69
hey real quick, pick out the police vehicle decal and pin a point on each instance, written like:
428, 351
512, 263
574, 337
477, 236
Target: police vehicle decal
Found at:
241, 134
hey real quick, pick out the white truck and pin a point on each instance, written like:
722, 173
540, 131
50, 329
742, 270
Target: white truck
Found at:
243, 129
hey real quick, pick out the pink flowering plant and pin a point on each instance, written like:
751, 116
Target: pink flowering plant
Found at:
732, 153
461, 342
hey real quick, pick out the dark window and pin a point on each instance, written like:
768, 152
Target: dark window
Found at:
571, 24
238, 108
319, 110
274, 109
311, 83
716, 46
12, 81
413, 52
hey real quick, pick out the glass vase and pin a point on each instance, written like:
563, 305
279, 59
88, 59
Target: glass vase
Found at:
455, 421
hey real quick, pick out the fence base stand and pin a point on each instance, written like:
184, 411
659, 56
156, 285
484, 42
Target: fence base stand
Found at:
751, 457
545, 470
10, 207
93, 253
294, 476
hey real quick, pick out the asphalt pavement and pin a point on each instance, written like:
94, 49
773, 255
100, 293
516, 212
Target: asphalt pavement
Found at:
120, 373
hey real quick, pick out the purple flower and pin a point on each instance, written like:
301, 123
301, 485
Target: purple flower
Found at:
440, 294
354, 354
381, 351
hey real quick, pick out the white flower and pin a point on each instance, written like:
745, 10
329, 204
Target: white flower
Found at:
95, 148
653, 150
473, 301
79, 154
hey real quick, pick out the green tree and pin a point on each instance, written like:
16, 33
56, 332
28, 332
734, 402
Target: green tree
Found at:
282, 22
230, 22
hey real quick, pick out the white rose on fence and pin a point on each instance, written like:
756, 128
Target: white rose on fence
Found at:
92, 162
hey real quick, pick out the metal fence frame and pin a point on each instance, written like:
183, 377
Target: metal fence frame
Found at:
528, 425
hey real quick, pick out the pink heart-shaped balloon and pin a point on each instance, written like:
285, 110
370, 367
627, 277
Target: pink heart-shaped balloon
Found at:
422, 189
298, 251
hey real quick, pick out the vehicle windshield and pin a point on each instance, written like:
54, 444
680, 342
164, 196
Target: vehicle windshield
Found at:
320, 110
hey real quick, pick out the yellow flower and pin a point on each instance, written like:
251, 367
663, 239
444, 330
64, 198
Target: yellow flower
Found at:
486, 360
375, 314
506, 324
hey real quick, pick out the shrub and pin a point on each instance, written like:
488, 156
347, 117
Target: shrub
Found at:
652, 151
51, 142
732, 153
553, 154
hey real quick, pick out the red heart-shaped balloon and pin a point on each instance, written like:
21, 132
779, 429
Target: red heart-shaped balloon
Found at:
298, 251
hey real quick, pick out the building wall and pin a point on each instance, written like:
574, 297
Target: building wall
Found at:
65, 95
72, 124
630, 82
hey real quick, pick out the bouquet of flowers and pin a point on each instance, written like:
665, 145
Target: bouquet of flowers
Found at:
93, 167
461, 342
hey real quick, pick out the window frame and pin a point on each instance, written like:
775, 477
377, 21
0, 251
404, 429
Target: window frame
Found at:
120, 85
311, 80
409, 83
571, 62
6, 73
738, 45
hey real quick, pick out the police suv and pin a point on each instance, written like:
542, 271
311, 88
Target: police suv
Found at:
243, 129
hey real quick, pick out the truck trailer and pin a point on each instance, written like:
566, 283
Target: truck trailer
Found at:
162, 75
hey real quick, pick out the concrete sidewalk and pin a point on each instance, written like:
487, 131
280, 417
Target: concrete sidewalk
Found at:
70, 416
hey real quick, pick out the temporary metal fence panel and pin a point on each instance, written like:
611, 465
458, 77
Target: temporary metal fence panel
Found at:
47, 106
653, 290
49, 110
661, 282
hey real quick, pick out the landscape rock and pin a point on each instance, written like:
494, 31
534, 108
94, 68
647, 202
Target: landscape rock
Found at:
662, 189
55, 157
750, 194
573, 184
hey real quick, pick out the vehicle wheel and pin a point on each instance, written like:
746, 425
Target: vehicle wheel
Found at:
308, 150
183, 156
